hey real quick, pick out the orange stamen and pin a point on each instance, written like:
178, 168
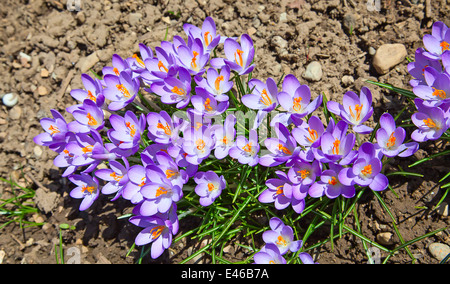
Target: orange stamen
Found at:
207, 40
200, 144
123, 90
284, 149
357, 110
248, 147
156, 231
239, 53
132, 130
335, 149
87, 149
170, 173
445, 46
115, 176
211, 187
225, 140
303, 173
178, 91
160, 191
194, 59
161, 65
297, 106
116, 71
92, 121
280, 189
391, 141
217, 82
53, 129
89, 189
139, 60
313, 134
429, 122
332, 181
281, 241
439, 93
367, 170
166, 128
143, 181
208, 105
265, 98
91, 97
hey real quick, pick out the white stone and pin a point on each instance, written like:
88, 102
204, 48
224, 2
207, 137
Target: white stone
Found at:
313, 71
387, 56
439, 251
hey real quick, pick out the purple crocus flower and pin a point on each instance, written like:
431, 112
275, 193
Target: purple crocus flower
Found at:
417, 68
330, 185
88, 117
354, 110
206, 104
309, 135
82, 151
264, 95
269, 254
283, 149
118, 65
282, 236
137, 179
120, 90
336, 145
224, 136
209, 186
304, 173
93, 91
432, 122
282, 192
239, 57
137, 64
198, 143
65, 158
296, 98
246, 150
438, 41
116, 178
390, 139
192, 57
56, 132
157, 231
174, 90
207, 34
161, 128
159, 193
216, 83
166, 163
446, 61
306, 258
366, 170
87, 189
126, 131
437, 88
160, 67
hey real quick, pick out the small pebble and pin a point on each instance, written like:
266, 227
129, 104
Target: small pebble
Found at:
42, 91
313, 71
347, 80
385, 238
439, 251
387, 56
15, 113
442, 209
10, 99
44, 73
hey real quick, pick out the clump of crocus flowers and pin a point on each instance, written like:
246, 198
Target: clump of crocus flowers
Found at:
150, 157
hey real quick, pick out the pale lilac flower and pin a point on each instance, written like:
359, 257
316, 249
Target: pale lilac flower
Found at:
263, 96
160, 67
283, 148
88, 117
304, 173
216, 83
390, 139
174, 90
366, 170
432, 122
309, 134
224, 136
192, 57
207, 34
93, 91
56, 132
246, 150
87, 189
120, 90
437, 88
209, 186
239, 57
269, 254
205, 103
126, 131
438, 41
138, 178
417, 68
198, 144
282, 236
354, 110
137, 64
116, 177
157, 231
169, 167
159, 193
330, 185
118, 65
306, 258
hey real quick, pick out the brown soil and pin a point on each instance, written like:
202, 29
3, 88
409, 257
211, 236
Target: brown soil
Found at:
287, 36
